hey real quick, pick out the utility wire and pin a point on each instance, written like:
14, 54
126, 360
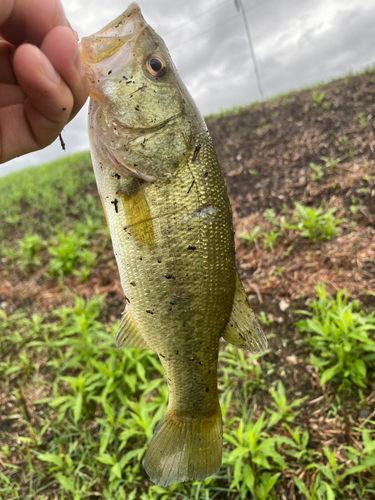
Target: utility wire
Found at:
240, 7
202, 15
222, 24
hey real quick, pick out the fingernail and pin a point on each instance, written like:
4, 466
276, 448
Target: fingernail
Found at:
46, 67
78, 64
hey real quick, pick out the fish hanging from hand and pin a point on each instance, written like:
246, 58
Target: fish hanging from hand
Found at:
170, 221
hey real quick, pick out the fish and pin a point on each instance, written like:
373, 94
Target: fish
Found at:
170, 221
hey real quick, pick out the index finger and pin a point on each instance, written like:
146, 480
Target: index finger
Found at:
30, 20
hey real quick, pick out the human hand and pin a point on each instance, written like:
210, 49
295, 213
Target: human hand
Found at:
42, 83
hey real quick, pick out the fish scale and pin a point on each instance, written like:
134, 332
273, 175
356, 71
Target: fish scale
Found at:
171, 226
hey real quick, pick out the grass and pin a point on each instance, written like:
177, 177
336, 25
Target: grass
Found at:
285, 97
307, 222
77, 413
99, 405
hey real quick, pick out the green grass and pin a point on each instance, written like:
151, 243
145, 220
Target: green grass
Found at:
341, 340
78, 413
40, 198
90, 430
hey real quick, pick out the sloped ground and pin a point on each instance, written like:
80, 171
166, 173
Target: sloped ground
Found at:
265, 154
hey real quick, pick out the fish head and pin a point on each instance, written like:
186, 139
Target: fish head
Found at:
138, 100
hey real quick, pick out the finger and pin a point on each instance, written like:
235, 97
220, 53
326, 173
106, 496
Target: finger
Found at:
6, 70
61, 48
10, 94
46, 111
30, 20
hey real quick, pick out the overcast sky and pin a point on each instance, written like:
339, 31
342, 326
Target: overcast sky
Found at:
297, 43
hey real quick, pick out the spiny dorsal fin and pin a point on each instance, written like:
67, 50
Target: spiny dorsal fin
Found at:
128, 334
243, 329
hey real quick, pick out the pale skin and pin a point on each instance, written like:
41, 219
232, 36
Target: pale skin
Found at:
42, 83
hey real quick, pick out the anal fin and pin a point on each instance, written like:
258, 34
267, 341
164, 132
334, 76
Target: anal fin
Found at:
128, 334
243, 328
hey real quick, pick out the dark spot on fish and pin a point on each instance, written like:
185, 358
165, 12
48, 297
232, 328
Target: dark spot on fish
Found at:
205, 174
190, 228
149, 312
207, 389
110, 71
176, 352
64, 109
190, 247
172, 303
159, 261
140, 258
137, 107
127, 83
243, 338
191, 185
196, 151
191, 359
117, 176
169, 277
162, 355
128, 301
133, 283
115, 204
131, 13
199, 362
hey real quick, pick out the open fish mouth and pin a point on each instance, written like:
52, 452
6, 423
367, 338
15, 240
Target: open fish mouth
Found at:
111, 47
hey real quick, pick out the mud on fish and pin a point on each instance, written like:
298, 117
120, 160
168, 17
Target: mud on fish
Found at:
170, 221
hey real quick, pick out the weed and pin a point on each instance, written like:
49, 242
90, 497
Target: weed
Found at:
339, 339
330, 162
280, 404
270, 238
343, 140
255, 458
252, 236
318, 172
279, 271
314, 225
318, 97
29, 248
69, 251
361, 119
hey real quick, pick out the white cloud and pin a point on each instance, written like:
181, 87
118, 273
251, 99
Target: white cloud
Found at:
297, 43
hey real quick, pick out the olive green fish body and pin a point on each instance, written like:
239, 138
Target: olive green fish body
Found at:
170, 221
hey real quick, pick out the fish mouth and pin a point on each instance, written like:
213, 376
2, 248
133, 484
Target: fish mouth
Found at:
111, 47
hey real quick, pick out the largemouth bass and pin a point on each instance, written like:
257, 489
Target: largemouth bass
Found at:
170, 221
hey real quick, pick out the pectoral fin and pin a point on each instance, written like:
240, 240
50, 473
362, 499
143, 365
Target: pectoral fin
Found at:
243, 329
128, 334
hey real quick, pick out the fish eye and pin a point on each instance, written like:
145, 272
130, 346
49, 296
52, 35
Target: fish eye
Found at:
156, 65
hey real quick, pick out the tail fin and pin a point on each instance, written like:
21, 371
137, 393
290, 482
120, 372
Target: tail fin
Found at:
184, 449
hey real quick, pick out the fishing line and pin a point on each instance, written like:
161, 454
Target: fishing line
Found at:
222, 24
